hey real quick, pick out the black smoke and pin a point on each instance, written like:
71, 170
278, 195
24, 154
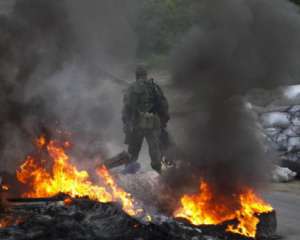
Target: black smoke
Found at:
239, 45
58, 60
35, 40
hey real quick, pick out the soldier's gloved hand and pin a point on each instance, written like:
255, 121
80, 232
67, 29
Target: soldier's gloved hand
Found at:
164, 122
168, 163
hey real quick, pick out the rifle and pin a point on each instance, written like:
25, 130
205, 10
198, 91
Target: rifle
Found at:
118, 160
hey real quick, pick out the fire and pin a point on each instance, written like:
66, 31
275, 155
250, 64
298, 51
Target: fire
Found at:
4, 223
64, 177
68, 201
5, 187
203, 209
41, 141
118, 192
9, 221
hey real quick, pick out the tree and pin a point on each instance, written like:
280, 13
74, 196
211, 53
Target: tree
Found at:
162, 22
296, 1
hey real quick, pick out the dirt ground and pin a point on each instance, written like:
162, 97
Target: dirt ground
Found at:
285, 198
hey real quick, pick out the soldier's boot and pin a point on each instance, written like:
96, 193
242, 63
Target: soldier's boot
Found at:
157, 167
131, 168
167, 147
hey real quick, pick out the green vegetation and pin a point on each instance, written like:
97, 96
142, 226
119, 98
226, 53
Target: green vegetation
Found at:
296, 1
161, 23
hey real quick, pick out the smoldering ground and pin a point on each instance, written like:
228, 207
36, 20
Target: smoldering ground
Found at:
239, 45
57, 63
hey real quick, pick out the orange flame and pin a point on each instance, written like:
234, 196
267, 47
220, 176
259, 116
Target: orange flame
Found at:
4, 223
9, 221
5, 187
64, 177
68, 201
41, 141
203, 209
119, 193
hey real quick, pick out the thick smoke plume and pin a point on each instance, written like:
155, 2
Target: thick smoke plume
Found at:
240, 45
35, 41
57, 66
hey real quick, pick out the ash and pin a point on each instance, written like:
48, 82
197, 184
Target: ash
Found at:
88, 220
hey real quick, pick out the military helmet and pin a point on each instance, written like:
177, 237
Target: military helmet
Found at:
141, 71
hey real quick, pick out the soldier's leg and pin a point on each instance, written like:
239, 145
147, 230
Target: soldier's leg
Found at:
134, 148
167, 147
164, 142
153, 140
135, 145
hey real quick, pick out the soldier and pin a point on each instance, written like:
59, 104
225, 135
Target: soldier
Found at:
145, 114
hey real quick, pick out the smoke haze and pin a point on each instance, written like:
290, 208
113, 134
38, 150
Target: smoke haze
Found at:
240, 45
57, 66
59, 60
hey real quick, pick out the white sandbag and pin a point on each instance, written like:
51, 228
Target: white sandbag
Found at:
281, 174
275, 119
293, 144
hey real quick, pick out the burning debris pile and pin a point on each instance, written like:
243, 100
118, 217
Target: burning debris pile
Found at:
207, 209
63, 203
240, 45
81, 219
63, 177
87, 219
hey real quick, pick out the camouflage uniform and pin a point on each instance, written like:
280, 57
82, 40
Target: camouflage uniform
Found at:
145, 114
